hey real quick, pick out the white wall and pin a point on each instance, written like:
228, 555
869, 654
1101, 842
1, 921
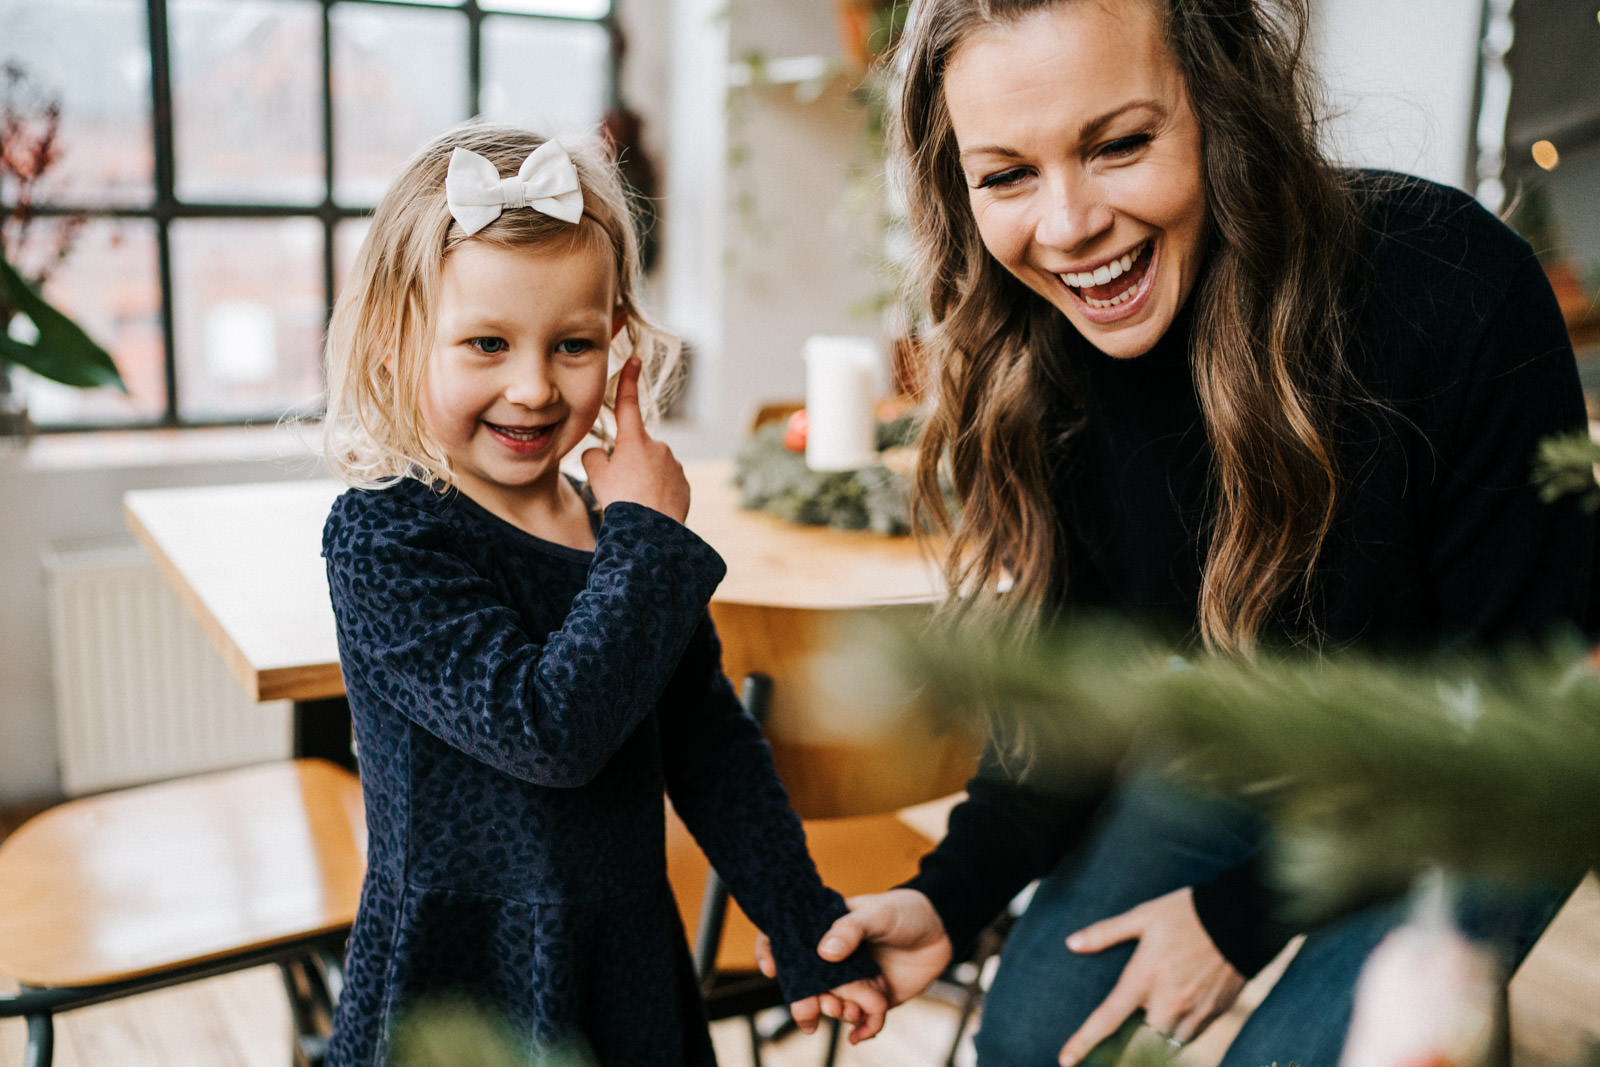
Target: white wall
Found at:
1401, 76
65, 490
747, 287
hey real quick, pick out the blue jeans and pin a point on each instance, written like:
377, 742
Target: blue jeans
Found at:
1153, 838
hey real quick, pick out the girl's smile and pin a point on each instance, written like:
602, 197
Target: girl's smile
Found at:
528, 440
517, 375
1082, 158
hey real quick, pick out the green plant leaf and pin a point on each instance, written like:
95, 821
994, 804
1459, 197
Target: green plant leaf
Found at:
63, 352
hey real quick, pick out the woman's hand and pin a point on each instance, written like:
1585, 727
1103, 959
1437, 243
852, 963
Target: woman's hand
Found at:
1176, 974
640, 468
902, 931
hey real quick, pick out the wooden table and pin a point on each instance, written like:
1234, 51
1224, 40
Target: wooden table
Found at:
246, 560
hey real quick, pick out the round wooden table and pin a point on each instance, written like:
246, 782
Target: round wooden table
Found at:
803, 605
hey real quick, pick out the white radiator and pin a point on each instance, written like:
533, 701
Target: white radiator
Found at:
141, 694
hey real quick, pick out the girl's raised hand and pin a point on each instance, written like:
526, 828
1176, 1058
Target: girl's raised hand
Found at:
639, 468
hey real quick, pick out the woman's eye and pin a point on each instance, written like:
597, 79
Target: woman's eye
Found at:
1124, 146
1001, 179
489, 346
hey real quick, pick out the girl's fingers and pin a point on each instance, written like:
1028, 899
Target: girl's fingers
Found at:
630, 420
805, 1014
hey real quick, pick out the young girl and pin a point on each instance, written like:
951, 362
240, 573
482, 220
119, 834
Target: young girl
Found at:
530, 661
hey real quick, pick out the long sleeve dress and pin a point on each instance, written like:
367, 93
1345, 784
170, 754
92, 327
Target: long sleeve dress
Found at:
519, 708
1443, 539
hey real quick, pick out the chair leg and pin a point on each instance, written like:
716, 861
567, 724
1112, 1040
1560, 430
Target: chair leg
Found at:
330, 959
755, 1040
708, 931
310, 1006
41, 1040
835, 1029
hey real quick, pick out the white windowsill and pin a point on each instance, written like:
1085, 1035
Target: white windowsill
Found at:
113, 449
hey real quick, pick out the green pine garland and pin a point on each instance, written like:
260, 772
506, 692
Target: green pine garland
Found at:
775, 479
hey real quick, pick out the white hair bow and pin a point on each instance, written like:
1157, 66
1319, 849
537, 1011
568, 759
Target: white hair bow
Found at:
547, 181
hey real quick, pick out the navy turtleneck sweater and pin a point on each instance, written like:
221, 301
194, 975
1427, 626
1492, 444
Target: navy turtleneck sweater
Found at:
1442, 539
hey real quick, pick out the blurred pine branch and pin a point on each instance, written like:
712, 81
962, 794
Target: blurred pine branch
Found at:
1373, 770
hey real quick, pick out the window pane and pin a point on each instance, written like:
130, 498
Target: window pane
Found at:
399, 77
347, 238
249, 315
583, 9
551, 76
108, 285
246, 100
103, 84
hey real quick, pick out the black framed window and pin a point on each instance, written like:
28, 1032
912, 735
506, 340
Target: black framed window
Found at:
217, 159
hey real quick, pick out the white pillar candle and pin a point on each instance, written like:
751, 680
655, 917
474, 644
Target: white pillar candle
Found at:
841, 386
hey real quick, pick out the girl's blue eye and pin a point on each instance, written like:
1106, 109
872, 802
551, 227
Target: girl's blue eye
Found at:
574, 346
489, 346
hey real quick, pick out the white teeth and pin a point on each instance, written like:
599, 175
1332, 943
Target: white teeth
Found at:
1103, 274
1120, 298
524, 433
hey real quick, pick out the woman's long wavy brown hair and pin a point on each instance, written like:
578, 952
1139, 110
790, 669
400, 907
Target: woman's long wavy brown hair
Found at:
1268, 324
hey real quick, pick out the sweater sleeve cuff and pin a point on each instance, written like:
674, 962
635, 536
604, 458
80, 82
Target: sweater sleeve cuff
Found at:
668, 541
1239, 912
802, 973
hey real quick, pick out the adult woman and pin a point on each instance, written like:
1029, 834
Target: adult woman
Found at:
1189, 371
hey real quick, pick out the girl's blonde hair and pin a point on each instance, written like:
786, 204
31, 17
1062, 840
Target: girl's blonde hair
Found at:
381, 332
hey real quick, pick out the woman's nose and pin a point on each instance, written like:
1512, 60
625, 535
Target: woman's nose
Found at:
1073, 213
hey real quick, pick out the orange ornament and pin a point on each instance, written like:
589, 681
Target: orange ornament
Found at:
796, 430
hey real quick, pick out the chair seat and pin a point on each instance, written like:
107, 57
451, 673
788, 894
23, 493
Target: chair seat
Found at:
144, 880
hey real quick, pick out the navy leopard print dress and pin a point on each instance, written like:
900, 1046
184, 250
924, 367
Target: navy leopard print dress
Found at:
519, 708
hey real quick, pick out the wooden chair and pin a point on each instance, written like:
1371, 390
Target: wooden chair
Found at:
113, 895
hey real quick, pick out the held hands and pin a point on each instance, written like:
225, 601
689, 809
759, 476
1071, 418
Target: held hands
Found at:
861, 1005
639, 468
1176, 974
907, 942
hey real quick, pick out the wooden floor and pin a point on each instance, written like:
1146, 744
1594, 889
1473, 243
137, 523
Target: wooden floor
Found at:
242, 1020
